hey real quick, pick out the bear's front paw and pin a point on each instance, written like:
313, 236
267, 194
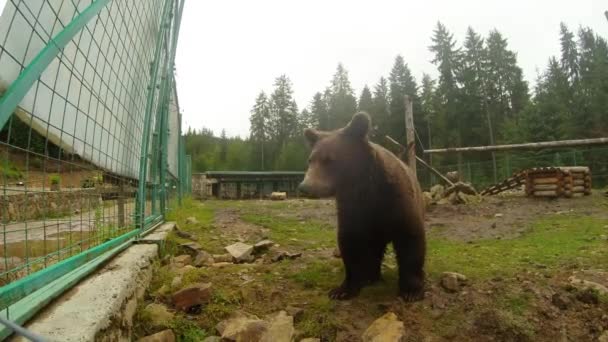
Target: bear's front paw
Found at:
343, 292
412, 295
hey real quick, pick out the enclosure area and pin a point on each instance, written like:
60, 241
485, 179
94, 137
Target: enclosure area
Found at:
530, 272
91, 151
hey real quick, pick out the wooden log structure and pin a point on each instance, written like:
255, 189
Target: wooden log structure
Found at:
558, 181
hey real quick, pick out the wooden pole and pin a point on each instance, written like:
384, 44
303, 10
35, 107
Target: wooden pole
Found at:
526, 146
401, 156
410, 134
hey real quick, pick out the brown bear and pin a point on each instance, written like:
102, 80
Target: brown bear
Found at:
379, 201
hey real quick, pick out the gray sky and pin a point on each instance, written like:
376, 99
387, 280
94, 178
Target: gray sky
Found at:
230, 50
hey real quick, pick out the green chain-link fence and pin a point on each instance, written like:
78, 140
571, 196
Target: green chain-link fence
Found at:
91, 151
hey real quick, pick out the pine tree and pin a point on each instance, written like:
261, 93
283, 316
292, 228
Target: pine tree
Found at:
402, 83
447, 59
381, 109
341, 100
569, 60
319, 111
506, 90
259, 128
223, 147
366, 103
283, 112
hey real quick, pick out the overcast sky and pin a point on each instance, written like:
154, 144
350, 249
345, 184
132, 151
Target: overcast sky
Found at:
231, 50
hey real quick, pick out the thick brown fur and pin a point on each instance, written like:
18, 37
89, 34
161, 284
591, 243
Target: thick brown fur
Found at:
379, 202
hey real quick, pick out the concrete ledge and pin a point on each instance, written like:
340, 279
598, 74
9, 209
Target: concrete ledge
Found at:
102, 306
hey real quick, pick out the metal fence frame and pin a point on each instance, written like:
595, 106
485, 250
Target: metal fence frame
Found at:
22, 298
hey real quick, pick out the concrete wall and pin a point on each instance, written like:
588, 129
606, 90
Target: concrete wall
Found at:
33, 205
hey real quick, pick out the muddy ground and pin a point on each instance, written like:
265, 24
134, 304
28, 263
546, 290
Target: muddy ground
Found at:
522, 259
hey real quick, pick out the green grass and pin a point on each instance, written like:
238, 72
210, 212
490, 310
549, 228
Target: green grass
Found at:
292, 232
552, 241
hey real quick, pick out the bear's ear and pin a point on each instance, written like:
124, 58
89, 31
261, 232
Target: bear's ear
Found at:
312, 136
359, 126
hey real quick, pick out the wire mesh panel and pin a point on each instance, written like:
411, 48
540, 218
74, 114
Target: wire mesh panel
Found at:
90, 141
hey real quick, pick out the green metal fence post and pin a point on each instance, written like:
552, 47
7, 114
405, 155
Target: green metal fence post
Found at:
143, 164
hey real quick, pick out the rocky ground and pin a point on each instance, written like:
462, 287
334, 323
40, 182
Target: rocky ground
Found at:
499, 269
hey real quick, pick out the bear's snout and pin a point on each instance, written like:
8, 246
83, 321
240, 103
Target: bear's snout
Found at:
303, 187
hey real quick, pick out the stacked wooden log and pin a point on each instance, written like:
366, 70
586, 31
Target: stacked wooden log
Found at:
558, 181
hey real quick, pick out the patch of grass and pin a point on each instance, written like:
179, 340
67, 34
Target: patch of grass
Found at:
223, 304
319, 320
295, 233
187, 331
318, 274
552, 241
517, 304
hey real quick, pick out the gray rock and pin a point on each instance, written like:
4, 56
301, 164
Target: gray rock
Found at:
212, 339
452, 281
182, 260
242, 327
385, 328
163, 336
176, 282
262, 245
240, 251
280, 328
185, 235
222, 257
203, 258
190, 247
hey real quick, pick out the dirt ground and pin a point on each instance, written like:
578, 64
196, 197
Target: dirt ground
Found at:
522, 258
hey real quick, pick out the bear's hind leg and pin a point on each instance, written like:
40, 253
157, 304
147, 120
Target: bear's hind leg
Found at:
410, 251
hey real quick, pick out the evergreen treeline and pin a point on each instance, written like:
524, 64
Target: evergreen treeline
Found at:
479, 98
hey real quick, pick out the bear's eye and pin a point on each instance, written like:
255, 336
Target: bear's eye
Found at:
327, 160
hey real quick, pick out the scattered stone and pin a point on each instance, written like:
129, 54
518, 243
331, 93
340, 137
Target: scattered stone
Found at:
452, 281
385, 328
203, 258
437, 192
582, 284
221, 264
285, 255
191, 220
560, 301
222, 257
280, 328
182, 260
158, 315
192, 297
604, 336
185, 235
310, 340
190, 247
453, 176
163, 336
337, 253
183, 270
604, 237
262, 245
498, 215
278, 196
242, 327
295, 312
240, 251
176, 282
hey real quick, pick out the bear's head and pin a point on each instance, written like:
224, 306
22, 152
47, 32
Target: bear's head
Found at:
336, 156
